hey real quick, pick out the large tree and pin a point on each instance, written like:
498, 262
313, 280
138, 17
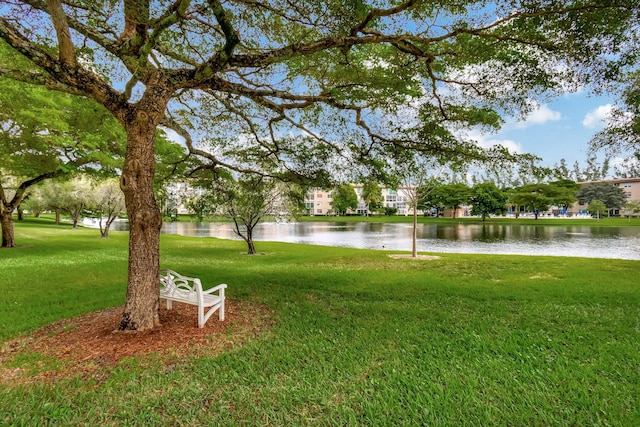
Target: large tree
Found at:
612, 196
297, 87
449, 196
106, 204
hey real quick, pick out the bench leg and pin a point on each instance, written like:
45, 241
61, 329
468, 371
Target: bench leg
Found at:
201, 320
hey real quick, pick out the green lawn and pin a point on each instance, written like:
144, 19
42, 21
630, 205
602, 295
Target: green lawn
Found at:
360, 338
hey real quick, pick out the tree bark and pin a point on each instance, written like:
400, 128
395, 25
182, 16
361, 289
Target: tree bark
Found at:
142, 300
104, 231
414, 240
8, 237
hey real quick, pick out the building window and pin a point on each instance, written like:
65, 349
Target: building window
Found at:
319, 196
627, 186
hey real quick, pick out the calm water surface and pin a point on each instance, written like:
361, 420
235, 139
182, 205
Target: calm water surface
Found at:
490, 238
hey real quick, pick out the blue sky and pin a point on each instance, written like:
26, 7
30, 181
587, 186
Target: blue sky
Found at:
558, 129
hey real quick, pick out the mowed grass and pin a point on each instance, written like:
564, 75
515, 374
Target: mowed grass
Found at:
360, 338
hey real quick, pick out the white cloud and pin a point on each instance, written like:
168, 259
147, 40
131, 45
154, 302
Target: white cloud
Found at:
539, 116
597, 117
509, 144
172, 135
485, 141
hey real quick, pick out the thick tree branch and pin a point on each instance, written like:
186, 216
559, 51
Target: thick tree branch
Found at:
66, 50
379, 13
68, 76
222, 57
136, 21
40, 79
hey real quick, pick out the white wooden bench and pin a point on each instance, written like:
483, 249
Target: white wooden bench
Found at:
179, 288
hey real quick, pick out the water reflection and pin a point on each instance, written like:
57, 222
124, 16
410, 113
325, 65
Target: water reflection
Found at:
489, 238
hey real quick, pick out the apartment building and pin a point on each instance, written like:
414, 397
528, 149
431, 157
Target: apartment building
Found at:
631, 187
318, 201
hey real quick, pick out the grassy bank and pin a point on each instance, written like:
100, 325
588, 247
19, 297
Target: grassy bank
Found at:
360, 338
602, 222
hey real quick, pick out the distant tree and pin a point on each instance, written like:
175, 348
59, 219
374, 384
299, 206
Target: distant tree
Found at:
415, 185
72, 196
487, 199
372, 195
540, 197
612, 196
594, 170
35, 203
561, 170
344, 197
629, 167
632, 208
449, 196
564, 194
597, 208
200, 207
389, 211
246, 201
432, 198
106, 203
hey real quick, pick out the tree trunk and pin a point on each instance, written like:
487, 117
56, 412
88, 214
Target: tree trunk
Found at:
251, 247
8, 238
57, 216
104, 232
414, 248
141, 307
20, 214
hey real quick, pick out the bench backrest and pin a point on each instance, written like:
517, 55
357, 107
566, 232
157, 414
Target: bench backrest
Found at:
179, 286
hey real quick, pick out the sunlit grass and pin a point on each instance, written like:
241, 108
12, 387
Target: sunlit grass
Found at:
360, 339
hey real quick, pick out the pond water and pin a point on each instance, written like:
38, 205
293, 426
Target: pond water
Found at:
489, 238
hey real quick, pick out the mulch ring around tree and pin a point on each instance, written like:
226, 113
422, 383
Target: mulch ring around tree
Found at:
87, 344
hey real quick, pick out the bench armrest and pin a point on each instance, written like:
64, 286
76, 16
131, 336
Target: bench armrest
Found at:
220, 287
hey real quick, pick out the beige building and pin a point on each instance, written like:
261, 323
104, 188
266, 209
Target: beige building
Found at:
318, 201
631, 187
